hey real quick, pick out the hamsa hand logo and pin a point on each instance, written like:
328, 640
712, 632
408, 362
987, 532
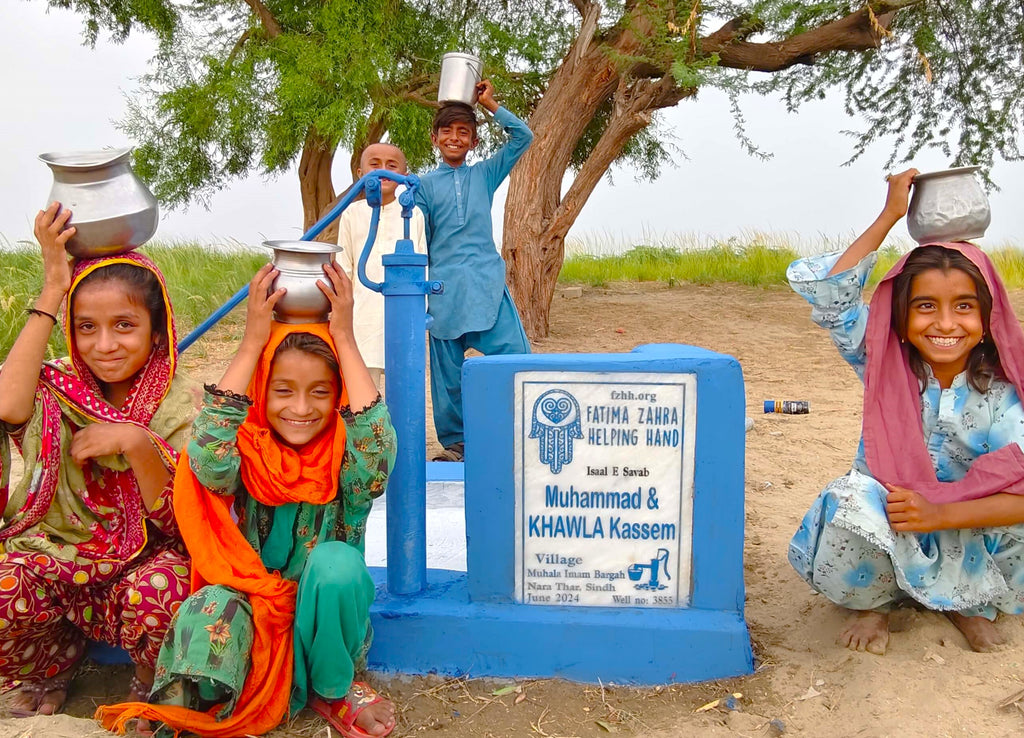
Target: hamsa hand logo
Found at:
556, 422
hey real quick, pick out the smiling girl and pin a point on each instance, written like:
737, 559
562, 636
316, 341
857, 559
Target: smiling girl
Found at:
933, 511
293, 444
89, 548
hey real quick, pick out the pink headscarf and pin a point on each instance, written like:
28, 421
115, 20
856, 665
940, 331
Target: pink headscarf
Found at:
893, 437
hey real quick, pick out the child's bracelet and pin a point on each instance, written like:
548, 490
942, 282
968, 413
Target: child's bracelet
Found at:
37, 311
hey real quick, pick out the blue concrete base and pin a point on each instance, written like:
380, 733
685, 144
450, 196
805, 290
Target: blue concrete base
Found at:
441, 631
445, 471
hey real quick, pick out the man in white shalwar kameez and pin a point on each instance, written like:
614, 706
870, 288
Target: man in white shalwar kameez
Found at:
353, 230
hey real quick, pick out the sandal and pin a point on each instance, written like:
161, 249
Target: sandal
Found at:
40, 690
455, 452
342, 714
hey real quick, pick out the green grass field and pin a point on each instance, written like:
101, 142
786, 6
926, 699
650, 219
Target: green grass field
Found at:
201, 278
757, 265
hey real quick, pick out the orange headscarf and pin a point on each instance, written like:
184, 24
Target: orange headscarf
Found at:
274, 474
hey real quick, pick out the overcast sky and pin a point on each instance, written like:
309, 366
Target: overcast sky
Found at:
61, 95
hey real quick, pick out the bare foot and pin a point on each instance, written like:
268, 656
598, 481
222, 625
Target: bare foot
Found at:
981, 633
138, 691
43, 697
378, 718
866, 630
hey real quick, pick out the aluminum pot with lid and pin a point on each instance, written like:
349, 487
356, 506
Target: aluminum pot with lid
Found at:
948, 205
301, 264
111, 209
460, 74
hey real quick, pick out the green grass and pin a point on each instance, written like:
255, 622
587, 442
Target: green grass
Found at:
757, 265
199, 278
754, 265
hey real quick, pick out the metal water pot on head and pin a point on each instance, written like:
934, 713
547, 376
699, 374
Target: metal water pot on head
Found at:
460, 74
111, 209
301, 264
948, 205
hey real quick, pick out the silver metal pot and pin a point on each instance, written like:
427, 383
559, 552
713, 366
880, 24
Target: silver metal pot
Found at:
111, 208
301, 264
460, 74
948, 205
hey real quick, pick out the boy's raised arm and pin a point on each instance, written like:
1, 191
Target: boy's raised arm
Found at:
500, 164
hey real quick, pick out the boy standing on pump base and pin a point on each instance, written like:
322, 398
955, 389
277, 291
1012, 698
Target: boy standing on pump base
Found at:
475, 311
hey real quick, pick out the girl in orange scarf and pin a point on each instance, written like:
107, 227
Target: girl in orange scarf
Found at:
285, 590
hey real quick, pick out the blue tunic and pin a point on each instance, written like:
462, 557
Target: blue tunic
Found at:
456, 203
845, 547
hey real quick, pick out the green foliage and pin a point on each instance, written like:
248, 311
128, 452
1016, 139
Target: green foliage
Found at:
195, 293
951, 76
230, 96
120, 16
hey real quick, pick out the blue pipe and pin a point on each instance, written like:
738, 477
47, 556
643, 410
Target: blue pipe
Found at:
404, 289
411, 181
405, 320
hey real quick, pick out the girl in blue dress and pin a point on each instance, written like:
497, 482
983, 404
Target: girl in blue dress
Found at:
933, 510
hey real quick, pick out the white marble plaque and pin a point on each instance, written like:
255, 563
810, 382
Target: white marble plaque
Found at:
604, 488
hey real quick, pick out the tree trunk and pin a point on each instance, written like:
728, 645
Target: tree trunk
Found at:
534, 247
537, 217
315, 183
535, 224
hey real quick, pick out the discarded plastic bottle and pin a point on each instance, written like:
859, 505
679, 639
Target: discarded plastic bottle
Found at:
789, 407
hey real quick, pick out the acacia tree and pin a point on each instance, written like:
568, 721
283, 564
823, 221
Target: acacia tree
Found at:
242, 85
943, 73
255, 85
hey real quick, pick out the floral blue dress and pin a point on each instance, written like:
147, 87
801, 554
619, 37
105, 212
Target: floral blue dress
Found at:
845, 548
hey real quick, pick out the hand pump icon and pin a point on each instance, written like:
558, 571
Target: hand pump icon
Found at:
636, 571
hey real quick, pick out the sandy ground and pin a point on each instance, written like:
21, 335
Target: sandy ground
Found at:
927, 683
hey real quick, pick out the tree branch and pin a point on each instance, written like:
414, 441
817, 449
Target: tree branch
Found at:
581, 6
633, 108
237, 47
854, 32
267, 19
738, 29
892, 5
376, 126
586, 34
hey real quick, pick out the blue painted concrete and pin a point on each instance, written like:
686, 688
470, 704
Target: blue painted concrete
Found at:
469, 623
488, 396
104, 653
441, 631
405, 291
445, 471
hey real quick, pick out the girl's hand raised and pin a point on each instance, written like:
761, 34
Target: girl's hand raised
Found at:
361, 389
910, 512
897, 199
259, 312
53, 235
340, 295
